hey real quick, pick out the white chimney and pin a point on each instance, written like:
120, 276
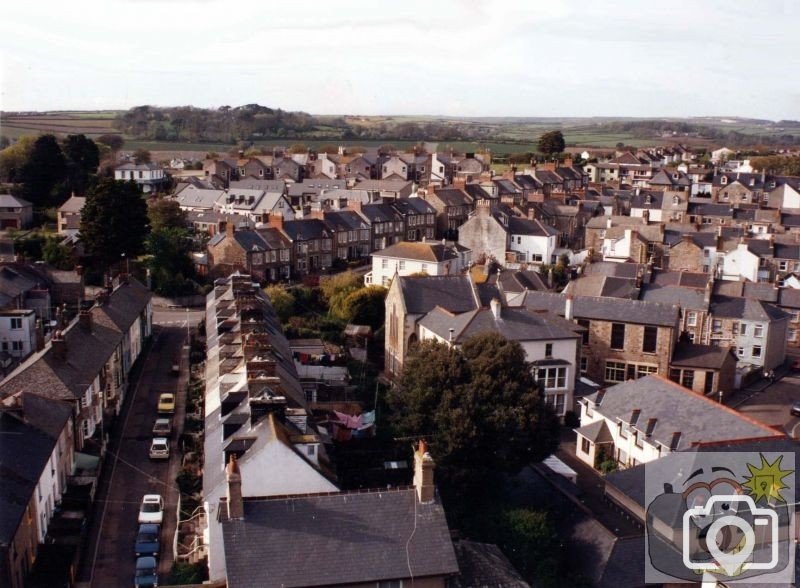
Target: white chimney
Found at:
609, 223
568, 307
495, 306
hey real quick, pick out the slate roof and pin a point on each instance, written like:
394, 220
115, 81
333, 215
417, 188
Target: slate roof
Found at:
482, 565
344, 220
518, 281
603, 286
138, 166
596, 432
306, 229
433, 252
74, 204
624, 568
611, 268
381, 212
745, 308
199, 198
347, 538
607, 309
709, 209
763, 291
701, 356
452, 197
667, 178
422, 293
24, 453
515, 324
676, 409
477, 192
789, 298
315, 186
535, 228
87, 351
413, 205
686, 297
256, 184
382, 185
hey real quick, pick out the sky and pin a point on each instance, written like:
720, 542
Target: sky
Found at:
438, 57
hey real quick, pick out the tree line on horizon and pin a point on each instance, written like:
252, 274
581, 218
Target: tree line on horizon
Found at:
254, 122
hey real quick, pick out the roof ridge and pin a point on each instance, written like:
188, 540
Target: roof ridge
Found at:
719, 405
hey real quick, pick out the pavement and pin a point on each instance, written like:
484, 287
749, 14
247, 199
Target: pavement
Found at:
128, 473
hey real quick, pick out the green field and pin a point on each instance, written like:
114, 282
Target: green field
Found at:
506, 135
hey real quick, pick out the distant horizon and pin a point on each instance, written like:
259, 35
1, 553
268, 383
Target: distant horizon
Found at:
459, 58
718, 118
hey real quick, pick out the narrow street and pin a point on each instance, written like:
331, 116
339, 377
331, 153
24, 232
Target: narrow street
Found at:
128, 473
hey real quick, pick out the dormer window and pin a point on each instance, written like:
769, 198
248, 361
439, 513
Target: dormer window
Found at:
675, 176
723, 180
675, 200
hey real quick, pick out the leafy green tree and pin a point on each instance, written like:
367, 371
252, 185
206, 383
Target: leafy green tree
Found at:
113, 221
366, 306
282, 301
14, 157
171, 268
336, 288
165, 213
141, 156
44, 172
551, 142
113, 142
479, 406
57, 255
83, 159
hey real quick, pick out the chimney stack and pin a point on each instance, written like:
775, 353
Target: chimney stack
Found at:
234, 481
85, 320
568, 307
229, 228
276, 221
423, 474
39, 335
495, 306
59, 345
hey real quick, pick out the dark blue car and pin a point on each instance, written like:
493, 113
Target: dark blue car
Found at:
146, 573
147, 542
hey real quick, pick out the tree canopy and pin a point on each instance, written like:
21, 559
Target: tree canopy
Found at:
165, 213
479, 407
171, 268
44, 172
83, 159
551, 142
114, 221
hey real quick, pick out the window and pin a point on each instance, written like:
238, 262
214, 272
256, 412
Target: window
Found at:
740, 351
650, 339
402, 265
756, 351
618, 336
687, 379
758, 330
16, 323
16, 345
552, 377
424, 267
675, 375
615, 371
691, 319
585, 324
548, 350
716, 326
311, 450
584, 364
783, 265
585, 445
384, 263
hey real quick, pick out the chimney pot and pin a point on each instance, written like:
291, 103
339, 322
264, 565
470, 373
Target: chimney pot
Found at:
568, 307
423, 474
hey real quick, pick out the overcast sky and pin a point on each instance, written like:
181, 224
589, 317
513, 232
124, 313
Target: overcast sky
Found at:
449, 57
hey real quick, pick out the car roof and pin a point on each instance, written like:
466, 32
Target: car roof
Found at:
164, 420
151, 497
147, 561
167, 394
149, 528
159, 440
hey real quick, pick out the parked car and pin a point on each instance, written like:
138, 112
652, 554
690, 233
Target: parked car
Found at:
166, 403
146, 572
795, 410
162, 427
159, 448
147, 540
152, 509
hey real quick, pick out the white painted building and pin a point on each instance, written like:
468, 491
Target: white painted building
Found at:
740, 263
148, 176
18, 333
532, 240
423, 257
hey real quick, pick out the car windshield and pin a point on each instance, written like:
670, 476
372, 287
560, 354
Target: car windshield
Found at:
148, 537
150, 507
145, 572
